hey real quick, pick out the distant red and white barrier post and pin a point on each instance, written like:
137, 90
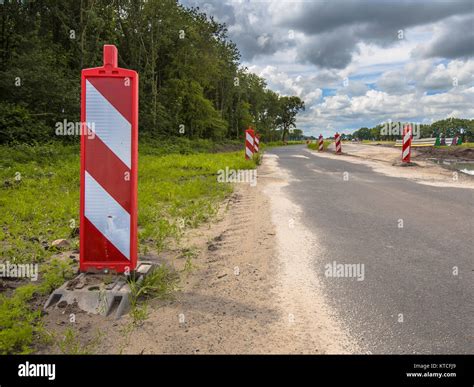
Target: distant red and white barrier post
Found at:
249, 143
320, 143
109, 157
406, 147
257, 143
337, 138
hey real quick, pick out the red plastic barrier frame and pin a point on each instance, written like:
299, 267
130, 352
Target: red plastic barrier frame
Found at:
110, 71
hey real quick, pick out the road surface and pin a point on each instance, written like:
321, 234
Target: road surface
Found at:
416, 294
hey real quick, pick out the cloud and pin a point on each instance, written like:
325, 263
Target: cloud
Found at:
339, 112
334, 30
250, 25
374, 16
309, 49
353, 88
455, 40
320, 50
304, 87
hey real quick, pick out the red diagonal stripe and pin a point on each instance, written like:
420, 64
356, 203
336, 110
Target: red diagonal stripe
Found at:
108, 170
98, 247
116, 92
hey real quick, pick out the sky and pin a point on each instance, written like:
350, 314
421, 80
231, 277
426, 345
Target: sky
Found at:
358, 63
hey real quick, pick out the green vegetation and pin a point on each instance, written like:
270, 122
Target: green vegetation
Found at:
314, 145
195, 102
191, 81
70, 344
160, 284
39, 195
449, 127
463, 145
281, 143
20, 321
39, 202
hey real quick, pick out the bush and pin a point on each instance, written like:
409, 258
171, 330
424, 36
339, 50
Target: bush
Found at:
17, 125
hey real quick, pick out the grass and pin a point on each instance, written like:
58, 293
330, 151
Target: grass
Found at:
39, 196
467, 145
463, 145
160, 283
189, 254
70, 343
39, 202
20, 321
271, 144
314, 145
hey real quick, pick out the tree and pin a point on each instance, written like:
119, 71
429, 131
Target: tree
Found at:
189, 70
288, 108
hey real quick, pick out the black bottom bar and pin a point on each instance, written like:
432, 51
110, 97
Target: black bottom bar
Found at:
382, 370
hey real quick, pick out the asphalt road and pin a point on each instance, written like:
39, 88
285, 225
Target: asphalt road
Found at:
410, 299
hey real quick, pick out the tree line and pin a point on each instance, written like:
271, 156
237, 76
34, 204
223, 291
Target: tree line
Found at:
448, 127
191, 81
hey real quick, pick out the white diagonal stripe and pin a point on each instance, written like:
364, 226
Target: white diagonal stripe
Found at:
249, 138
107, 215
248, 152
407, 136
406, 152
109, 124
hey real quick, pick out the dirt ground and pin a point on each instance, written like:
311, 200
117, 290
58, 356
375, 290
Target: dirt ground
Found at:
252, 289
452, 152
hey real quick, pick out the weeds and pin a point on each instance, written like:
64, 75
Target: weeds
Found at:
39, 202
189, 255
160, 283
315, 146
19, 323
70, 344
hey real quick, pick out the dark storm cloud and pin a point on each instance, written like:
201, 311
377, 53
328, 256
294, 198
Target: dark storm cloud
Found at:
331, 30
249, 24
456, 41
318, 17
329, 50
335, 28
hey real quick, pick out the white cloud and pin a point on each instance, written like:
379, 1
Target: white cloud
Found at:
308, 49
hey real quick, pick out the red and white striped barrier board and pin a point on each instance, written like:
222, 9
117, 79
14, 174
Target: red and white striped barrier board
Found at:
337, 137
249, 143
257, 142
109, 157
406, 147
320, 143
